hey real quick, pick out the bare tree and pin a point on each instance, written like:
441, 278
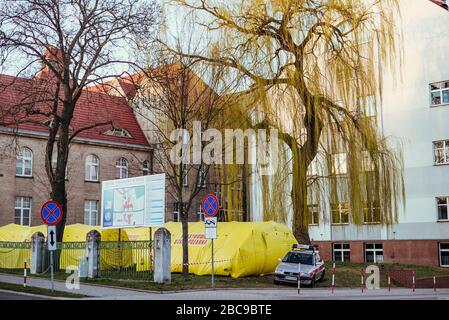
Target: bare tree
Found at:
67, 46
172, 97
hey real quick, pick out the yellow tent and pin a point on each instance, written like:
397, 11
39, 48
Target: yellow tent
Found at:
15, 241
110, 257
241, 248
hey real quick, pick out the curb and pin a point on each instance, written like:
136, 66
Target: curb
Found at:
35, 295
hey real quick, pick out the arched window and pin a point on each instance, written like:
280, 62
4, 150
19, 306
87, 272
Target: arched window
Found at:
92, 172
24, 163
146, 170
121, 166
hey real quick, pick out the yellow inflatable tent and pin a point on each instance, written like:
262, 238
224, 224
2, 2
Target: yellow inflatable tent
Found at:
15, 244
241, 249
74, 250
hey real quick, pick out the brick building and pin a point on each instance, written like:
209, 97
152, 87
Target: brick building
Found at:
103, 153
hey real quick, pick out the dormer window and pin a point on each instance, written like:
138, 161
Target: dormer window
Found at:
118, 132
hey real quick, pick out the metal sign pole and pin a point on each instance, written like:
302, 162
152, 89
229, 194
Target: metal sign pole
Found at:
212, 263
299, 278
51, 270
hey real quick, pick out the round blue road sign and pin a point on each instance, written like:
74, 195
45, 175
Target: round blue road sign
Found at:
210, 205
51, 213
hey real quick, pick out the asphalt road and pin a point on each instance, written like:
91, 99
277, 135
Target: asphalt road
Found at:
4, 295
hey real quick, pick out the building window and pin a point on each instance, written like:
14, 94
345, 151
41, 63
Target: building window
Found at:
340, 213
146, 170
444, 254
54, 163
439, 93
313, 215
91, 212
92, 170
441, 151
176, 213
121, 167
442, 207
367, 106
24, 163
339, 163
118, 132
342, 252
202, 177
22, 211
374, 253
185, 175
200, 213
371, 213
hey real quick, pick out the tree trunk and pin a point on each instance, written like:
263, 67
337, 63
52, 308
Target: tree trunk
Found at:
58, 188
185, 241
299, 197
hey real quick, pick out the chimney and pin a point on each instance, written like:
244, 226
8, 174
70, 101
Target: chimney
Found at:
54, 57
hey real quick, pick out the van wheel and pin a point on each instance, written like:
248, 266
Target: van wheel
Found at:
276, 282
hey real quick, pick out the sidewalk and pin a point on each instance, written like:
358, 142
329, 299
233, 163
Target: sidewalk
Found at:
109, 293
96, 292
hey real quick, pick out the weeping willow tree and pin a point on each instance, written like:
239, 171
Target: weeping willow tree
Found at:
316, 68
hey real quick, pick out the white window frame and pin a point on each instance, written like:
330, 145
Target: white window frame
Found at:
146, 170
442, 205
367, 106
54, 163
340, 212
341, 250
89, 210
202, 177
371, 210
445, 150
21, 161
90, 165
374, 251
185, 178
339, 163
440, 256
311, 212
176, 215
200, 213
440, 91
121, 166
22, 209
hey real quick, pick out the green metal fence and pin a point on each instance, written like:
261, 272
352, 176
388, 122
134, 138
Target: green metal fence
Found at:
117, 259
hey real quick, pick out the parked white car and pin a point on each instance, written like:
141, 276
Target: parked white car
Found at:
302, 258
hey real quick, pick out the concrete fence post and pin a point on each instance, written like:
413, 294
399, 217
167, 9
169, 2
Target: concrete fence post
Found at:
162, 256
93, 253
37, 263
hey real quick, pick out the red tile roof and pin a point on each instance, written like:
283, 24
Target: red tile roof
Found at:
92, 107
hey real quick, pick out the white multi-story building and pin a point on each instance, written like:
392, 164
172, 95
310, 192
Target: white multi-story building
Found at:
415, 111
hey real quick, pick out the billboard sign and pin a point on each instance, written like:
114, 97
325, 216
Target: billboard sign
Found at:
133, 202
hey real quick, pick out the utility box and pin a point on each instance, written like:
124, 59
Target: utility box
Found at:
37, 263
162, 253
93, 253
